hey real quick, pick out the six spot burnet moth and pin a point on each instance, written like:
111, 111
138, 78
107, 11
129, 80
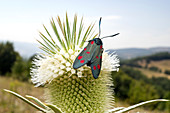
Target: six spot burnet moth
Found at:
92, 55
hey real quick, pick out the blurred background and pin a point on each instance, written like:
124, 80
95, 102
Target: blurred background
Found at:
142, 46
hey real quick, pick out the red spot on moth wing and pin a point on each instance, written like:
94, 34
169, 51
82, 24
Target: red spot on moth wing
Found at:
98, 66
97, 57
94, 67
82, 61
92, 42
80, 57
100, 57
101, 47
88, 52
85, 49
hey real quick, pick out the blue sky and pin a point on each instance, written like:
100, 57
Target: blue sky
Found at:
141, 23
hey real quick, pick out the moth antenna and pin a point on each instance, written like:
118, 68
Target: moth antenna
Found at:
99, 26
110, 35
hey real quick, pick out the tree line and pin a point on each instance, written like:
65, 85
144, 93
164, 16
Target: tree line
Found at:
12, 64
155, 57
133, 86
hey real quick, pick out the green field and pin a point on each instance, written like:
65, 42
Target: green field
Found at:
11, 104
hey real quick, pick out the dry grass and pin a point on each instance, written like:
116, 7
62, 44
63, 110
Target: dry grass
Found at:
163, 65
150, 73
11, 104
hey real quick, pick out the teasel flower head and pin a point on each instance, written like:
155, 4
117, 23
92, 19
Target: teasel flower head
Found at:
72, 90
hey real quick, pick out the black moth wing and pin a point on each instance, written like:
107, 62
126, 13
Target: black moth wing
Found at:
96, 62
86, 55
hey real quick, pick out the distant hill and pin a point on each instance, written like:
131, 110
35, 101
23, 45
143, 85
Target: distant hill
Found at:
155, 65
28, 49
129, 53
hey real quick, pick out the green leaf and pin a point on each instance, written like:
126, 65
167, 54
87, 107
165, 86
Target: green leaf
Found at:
54, 108
67, 59
47, 42
63, 30
26, 100
46, 50
94, 36
115, 109
68, 38
80, 30
73, 40
44, 47
37, 101
88, 31
57, 34
48, 34
141, 104
65, 34
53, 42
68, 31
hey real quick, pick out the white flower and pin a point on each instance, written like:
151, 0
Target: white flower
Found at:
48, 68
59, 57
68, 64
70, 51
68, 69
55, 75
110, 62
61, 72
73, 71
80, 69
66, 55
76, 54
56, 70
73, 57
77, 47
79, 74
62, 52
63, 61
